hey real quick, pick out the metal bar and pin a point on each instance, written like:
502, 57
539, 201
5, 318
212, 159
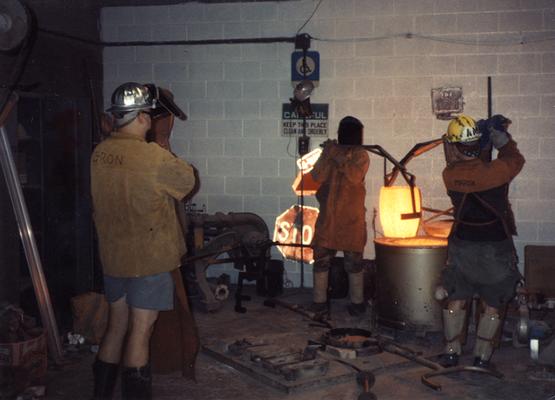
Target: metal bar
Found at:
30, 248
425, 379
278, 39
489, 98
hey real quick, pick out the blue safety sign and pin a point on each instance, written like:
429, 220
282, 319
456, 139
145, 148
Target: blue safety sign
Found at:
305, 68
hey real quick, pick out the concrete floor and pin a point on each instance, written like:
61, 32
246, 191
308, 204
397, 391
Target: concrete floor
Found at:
396, 377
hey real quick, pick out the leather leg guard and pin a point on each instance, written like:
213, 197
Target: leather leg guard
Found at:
485, 335
356, 287
136, 383
105, 377
453, 324
320, 289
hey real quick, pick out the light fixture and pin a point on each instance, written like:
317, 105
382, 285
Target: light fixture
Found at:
301, 98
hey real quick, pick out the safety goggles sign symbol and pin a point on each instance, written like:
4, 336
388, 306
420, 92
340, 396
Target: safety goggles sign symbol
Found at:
305, 68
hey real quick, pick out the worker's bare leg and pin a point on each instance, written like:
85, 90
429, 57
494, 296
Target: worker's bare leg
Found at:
141, 325
105, 368
136, 376
112, 342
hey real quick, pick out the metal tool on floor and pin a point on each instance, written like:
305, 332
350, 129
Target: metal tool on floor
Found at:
319, 318
438, 369
366, 380
349, 338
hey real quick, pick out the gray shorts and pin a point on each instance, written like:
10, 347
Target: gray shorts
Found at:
487, 269
152, 292
352, 261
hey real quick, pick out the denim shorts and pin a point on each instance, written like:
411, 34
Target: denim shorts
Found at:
487, 269
152, 292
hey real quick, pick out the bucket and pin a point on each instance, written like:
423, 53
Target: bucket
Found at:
407, 273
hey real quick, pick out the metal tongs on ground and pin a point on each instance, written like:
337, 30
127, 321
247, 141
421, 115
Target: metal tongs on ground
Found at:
391, 347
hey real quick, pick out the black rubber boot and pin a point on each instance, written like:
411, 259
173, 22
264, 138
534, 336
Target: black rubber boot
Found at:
478, 362
105, 376
448, 360
136, 383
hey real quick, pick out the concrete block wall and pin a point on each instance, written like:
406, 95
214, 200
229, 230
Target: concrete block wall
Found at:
379, 61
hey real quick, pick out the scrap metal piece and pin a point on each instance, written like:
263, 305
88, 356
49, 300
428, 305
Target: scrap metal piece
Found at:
275, 364
349, 338
425, 379
305, 369
239, 347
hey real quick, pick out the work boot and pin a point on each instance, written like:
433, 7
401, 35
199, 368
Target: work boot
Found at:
105, 376
478, 362
449, 360
453, 324
488, 326
136, 383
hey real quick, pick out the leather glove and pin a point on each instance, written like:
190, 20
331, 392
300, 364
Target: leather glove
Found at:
499, 122
327, 148
498, 138
497, 128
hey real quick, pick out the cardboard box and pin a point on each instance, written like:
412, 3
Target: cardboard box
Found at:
28, 359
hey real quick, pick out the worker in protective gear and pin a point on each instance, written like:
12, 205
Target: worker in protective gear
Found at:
134, 185
481, 256
341, 224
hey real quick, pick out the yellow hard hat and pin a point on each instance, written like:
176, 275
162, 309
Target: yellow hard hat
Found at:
462, 129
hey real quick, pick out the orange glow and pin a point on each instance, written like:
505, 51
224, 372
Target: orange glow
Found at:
440, 228
394, 202
287, 231
419, 241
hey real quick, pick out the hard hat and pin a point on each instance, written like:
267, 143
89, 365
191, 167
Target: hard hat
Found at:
130, 98
462, 129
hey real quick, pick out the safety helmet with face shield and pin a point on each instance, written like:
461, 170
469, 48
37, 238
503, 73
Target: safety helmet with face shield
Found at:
129, 99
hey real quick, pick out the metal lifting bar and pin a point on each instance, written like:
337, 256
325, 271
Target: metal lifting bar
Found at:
30, 246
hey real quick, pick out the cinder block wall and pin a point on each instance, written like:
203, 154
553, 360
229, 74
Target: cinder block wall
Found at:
370, 68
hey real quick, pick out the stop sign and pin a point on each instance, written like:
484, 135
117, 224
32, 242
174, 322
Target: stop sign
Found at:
288, 231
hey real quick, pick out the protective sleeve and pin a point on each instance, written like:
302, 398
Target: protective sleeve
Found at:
477, 175
355, 166
322, 168
176, 177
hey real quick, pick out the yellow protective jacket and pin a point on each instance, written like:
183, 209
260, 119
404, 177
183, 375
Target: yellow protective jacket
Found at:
341, 223
134, 185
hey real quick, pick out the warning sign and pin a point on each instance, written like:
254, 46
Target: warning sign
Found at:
316, 124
